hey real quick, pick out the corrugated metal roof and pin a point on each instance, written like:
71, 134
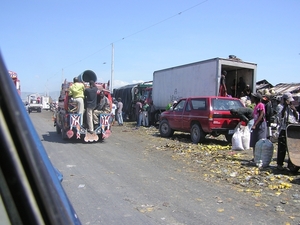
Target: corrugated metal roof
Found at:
282, 88
262, 84
278, 88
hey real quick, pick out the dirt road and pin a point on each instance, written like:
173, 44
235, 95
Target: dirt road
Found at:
137, 177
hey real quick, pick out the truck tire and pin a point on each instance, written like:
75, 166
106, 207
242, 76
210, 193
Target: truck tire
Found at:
64, 134
58, 129
164, 129
197, 134
229, 138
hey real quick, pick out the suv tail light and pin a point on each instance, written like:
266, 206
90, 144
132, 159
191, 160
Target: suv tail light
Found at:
211, 117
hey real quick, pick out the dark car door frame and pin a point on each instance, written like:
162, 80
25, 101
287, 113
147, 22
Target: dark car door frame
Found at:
30, 190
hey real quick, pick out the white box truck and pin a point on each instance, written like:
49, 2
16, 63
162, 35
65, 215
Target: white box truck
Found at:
45, 102
34, 103
199, 79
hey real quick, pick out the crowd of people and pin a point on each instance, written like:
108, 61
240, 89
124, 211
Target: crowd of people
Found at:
260, 108
264, 114
145, 113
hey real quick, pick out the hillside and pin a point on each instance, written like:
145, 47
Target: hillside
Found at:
54, 95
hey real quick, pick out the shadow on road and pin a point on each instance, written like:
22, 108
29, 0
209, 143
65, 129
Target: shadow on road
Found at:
186, 138
52, 136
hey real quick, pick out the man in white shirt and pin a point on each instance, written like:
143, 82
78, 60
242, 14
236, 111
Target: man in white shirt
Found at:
119, 114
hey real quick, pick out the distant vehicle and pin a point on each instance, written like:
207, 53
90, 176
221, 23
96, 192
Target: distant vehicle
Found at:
34, 105
45, 100
31, 192
199, 79
16, 81
200, 116
130, 94
70, 124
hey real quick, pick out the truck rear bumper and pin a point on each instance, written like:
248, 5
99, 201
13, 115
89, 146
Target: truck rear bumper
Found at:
83, 133
71, 127
222, 131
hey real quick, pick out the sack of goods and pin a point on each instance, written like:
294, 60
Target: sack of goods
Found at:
241, 138
263, 152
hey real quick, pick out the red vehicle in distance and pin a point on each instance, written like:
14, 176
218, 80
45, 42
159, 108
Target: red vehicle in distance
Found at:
15, 79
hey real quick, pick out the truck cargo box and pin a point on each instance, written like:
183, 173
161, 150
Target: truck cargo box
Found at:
199, 79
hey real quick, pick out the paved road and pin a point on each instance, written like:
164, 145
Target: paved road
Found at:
124, 180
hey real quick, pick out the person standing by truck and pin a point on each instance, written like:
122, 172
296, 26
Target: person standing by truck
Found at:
113, 112
138, 112
259, 128
247, 91
233, 88
102, 107
145, 115
240, 87
90, 95
76, 91
152, 111
288, 115
119, 110
223, 89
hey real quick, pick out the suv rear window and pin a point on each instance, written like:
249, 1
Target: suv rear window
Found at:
225, 104
198, 104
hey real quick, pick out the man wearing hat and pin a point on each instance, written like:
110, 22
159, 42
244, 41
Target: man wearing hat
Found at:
288, 115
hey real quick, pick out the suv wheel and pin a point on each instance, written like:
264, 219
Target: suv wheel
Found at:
197, 134
229, 138
292, 167
164, 129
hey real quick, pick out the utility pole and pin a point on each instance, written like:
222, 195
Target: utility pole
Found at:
112, 68
62, 75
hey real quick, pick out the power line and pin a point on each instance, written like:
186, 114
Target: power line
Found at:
137, 32
177, 14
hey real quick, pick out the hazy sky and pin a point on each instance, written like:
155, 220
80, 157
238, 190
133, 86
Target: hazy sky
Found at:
46, 41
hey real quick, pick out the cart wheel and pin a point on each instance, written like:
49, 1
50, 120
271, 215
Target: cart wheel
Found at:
292, 167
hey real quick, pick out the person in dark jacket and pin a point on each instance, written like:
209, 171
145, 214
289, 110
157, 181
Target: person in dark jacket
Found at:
240, 87
269, 109
288, 115
244, 113
90, 97
223, 88
102, 107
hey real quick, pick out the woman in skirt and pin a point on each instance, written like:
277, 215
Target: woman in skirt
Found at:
259, 128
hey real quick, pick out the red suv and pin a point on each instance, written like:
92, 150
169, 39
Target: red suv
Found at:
201, 116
